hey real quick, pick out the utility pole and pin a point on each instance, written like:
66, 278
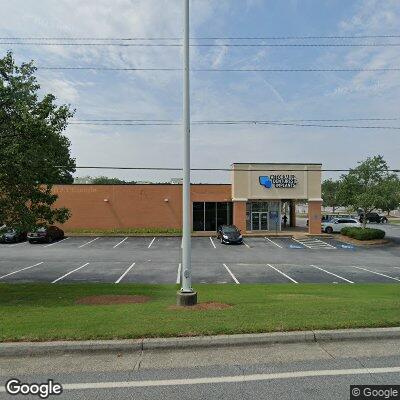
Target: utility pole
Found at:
186, 296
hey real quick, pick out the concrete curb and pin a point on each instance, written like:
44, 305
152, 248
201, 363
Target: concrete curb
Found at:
140, 345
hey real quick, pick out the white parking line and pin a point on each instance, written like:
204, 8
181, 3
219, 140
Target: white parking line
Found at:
212, 242
282, 273
123, 275
23, 269
331, 273
319, 241
17, 244
276, 244
69, 273
230, 273
377, 273
246, 244
178, 275
122, 241
88, 243
303, 244
151, 243
54, 243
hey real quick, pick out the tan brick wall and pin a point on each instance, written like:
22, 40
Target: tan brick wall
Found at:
131, 206
314, 217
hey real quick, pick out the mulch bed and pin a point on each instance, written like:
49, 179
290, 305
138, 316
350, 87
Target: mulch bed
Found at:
363, 242
202, 307
112, 299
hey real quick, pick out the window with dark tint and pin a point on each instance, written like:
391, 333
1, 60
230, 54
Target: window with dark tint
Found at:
198, 216
208, 216
210, 221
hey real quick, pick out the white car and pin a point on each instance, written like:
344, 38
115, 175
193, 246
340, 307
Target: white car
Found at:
337, 224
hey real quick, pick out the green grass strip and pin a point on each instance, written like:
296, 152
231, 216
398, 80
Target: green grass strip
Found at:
41, 312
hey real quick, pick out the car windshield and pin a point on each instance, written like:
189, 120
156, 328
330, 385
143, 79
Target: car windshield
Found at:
41, 230
9, 230
229, 229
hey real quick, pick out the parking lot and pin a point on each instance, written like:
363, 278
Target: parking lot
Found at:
157, 260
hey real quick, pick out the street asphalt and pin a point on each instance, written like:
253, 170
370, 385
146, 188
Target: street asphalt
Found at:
277, 371
157, 260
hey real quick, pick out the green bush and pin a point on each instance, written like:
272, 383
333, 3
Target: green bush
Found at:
363, 233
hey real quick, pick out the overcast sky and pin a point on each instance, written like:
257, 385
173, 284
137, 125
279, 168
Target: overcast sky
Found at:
217, 95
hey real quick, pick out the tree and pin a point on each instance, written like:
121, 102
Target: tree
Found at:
330, 190
391, 199
34, 154
104, 180
365, 187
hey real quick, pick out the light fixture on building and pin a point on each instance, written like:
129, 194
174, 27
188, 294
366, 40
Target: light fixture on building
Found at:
106, 200
166, 200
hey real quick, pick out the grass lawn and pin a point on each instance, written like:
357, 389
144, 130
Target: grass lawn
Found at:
49, 312
126, 231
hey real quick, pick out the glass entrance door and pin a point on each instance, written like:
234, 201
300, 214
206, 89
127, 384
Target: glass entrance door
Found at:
259, 221
255, 221
264, 221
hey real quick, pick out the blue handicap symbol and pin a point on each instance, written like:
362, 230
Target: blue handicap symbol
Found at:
346, 246
293, 246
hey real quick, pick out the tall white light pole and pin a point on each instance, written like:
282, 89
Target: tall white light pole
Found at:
186, 296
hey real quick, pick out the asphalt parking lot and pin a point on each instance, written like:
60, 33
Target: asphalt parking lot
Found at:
157, 260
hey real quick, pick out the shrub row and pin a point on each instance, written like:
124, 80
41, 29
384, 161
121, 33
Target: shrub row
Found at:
363, 233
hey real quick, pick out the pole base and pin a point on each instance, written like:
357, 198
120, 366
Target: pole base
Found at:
186, 299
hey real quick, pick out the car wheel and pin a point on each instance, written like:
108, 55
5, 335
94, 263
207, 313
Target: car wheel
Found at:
50, 239
329, 230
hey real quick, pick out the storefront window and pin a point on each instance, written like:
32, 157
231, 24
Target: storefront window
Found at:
208, 216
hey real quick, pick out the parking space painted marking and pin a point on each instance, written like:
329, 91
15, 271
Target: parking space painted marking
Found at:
124, 274
314, 243
23, 269
271, 241
282, 273
246, 244
151, 243
122, 241
178, 275
331, 273
17, 244
54, 243
70, 272
301, 243
377, 273
212, 242
87, 243
231, 274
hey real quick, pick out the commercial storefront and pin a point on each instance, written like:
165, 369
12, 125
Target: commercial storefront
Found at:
259, 198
